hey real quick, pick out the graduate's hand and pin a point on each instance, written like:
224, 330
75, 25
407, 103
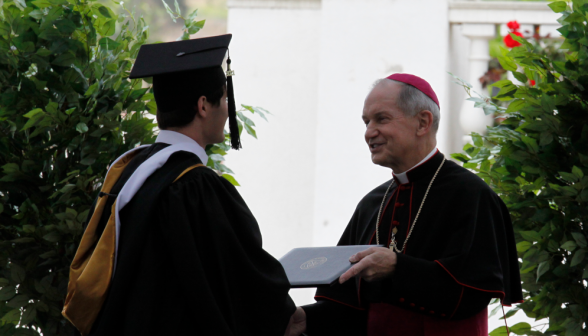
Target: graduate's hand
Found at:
372, 264
297, 323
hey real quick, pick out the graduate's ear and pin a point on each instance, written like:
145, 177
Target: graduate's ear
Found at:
425, 119
202, 107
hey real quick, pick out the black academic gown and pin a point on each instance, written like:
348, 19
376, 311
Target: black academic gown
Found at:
461, 252
190, 260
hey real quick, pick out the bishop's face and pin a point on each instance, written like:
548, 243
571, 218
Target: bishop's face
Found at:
390, 134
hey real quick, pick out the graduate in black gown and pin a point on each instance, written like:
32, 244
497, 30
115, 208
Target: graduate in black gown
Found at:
171, 248
449, 243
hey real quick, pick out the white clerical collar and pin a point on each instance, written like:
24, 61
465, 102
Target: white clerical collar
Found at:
173, 138
402, 178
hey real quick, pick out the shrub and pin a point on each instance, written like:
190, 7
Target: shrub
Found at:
67, 109
537, 161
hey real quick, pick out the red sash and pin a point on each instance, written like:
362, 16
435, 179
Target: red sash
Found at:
388, 320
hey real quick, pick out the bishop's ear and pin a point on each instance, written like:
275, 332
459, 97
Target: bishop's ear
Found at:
425, 119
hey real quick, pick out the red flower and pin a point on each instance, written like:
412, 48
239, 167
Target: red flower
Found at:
510, 42
513, 25
532, 82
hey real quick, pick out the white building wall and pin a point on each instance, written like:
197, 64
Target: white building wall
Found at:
274, 54
361, 41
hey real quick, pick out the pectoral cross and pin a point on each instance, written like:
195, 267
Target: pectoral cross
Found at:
393, 238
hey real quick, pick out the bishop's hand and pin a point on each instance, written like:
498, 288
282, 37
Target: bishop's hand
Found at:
297, 324
372, 264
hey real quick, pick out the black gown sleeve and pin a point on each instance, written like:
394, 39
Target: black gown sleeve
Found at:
329, 318
424, 286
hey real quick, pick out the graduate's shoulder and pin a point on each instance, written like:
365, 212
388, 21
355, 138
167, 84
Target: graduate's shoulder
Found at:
194, 172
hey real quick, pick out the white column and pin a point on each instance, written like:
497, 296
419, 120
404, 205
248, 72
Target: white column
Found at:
473, 119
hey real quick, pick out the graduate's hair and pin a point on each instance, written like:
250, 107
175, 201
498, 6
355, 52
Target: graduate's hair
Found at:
412, 101
184, 116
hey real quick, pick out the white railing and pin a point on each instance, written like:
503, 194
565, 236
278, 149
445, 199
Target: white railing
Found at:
478, 20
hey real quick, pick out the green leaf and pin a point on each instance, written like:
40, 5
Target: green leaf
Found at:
108, 28
177, 6
543, 268
17, 273
193, 15
502, 83
196, 27
7, 293
521, 328
29, 315
91, 89
569, 246
53, 237
532, 236
250, 130
515, 106
578, 172
558, 6
580, 239
104, 12
231, 179
169, 11
507, 63
477, 139
568, 177
108, 43
12, 316
33, 112
65, 26
531, 143
578, 257
521, 77
10, 168
18, 301
500, 331
21, 4
65, 59
82, 128
524, 246
42, 3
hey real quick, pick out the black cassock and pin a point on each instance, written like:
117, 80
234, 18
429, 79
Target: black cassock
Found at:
190, 259
461, 252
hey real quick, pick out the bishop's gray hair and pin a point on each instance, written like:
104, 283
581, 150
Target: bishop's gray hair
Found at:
412, 101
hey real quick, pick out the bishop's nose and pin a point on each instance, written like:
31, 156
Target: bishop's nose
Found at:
370, 133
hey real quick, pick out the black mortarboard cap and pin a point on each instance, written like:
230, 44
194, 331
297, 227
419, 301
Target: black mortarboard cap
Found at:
183, 67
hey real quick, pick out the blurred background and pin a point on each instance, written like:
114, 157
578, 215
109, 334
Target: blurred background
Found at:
312, 62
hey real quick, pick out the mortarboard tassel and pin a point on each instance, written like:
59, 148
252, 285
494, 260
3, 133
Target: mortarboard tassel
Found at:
233, 125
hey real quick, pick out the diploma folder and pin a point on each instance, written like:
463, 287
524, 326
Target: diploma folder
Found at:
318, 266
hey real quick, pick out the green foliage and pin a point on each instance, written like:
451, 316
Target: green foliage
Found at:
67, 109
537, 161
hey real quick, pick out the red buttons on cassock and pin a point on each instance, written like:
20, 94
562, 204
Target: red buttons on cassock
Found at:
431, 312
443, 315
398, 205
412, 304
395, 223
401, 300
422, 308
